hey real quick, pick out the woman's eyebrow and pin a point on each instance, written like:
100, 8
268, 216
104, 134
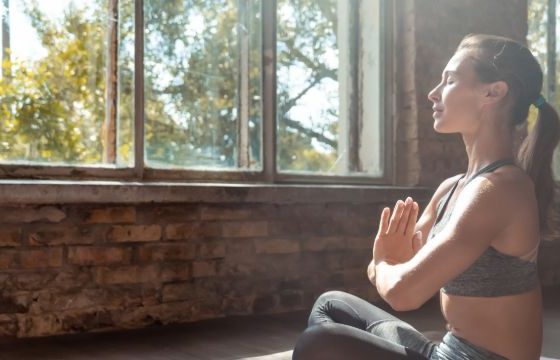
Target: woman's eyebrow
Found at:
450, 72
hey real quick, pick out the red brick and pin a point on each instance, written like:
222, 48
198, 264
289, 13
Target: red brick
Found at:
277, 246
8, 326
167, 252
241, 247
60, 235
357, 242
7, 259
212, 250
68, 278
134, 233
10, 237
112, 215
205, 268
175, 272
88, 255
28, 214
39, 325
50, 301
245, 229
149, 214
176, 292
285, 227
323, 243
41, 258
126, 275
32, 280
192, 230
225, 213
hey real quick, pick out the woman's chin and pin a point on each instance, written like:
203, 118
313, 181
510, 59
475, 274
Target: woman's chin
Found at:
439, 126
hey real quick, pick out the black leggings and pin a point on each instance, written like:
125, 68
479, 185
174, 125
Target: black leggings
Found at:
343, 326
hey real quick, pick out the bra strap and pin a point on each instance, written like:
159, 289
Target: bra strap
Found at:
449, 194
491, 167
488, 168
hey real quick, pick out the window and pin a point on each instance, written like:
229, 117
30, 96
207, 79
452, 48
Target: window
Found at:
328, 76
541, 38
60, 61
286, 90
202, 84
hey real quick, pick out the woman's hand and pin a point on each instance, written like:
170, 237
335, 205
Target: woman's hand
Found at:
396, 241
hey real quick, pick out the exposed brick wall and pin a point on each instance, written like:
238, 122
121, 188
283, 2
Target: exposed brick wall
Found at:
90, 267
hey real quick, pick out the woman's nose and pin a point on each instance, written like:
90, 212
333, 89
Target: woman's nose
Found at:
433, 95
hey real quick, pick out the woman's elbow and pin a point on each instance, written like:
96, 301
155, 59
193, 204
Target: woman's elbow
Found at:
400, 299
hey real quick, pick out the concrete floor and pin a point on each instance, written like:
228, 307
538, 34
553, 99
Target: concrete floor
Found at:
268, 337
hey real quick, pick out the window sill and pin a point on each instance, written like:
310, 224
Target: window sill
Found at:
74, 192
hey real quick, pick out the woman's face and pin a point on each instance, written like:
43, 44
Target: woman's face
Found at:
457, 99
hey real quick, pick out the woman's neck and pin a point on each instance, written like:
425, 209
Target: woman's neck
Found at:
486, 147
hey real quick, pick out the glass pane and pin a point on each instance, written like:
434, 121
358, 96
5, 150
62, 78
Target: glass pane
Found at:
324, 126
53, 81
307, 85
202, 84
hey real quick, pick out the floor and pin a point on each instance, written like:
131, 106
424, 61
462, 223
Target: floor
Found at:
268, 337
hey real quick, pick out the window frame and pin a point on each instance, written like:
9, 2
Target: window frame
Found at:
269, 173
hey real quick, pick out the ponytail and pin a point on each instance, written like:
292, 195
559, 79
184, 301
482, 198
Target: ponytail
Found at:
535, 157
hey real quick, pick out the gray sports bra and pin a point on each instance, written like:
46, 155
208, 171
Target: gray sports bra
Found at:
493, 273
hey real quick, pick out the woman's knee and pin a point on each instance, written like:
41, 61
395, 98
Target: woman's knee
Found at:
315, 343
332, 294
322, 308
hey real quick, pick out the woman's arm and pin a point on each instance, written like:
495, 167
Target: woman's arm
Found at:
482, 211
426, 221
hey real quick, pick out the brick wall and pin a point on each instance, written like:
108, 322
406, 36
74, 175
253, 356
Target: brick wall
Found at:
91, 267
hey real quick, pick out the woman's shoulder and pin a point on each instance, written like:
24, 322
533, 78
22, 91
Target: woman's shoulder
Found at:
507, 181
508, 187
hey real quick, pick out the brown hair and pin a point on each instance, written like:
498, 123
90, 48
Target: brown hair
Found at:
497, 58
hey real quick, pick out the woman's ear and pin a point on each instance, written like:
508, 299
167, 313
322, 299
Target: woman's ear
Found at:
496, 91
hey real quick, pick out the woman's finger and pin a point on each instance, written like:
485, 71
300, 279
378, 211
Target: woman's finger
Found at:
412, 218
405, 215
396, 217
384, 221
417, 242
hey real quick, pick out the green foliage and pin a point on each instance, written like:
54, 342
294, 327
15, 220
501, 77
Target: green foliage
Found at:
52, 108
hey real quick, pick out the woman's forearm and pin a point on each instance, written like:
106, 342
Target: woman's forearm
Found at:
387, 277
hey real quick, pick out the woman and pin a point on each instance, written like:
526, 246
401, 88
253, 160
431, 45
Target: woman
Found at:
476, 241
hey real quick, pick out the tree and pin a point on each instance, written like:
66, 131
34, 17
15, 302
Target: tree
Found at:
52, 110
